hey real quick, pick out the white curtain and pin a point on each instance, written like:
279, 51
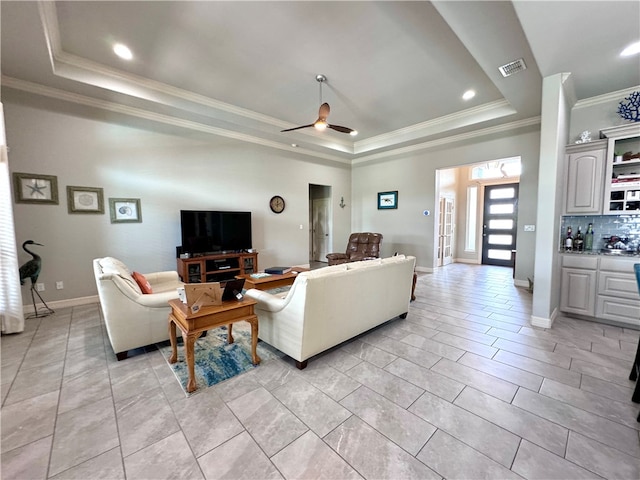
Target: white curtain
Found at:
11, 312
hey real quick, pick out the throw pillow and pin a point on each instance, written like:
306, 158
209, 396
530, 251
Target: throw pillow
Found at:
142, 282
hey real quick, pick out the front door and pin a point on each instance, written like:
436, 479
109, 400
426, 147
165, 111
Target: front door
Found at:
500, 224
445, 232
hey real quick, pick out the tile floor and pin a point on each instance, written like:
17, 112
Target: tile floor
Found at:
463, 388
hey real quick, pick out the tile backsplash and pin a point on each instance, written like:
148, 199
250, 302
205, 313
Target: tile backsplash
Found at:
604, 226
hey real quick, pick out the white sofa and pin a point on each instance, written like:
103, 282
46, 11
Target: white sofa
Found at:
134, 319
328, 306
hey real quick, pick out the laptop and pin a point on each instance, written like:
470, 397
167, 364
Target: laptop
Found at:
233, 290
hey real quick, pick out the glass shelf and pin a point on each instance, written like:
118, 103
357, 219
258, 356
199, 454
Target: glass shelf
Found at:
622, 184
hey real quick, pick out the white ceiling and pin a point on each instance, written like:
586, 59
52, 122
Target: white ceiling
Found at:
396, 70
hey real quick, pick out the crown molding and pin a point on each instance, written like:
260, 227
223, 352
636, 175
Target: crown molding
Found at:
78, 99
75, 98
79, 69
76, 68
605, 98
446, 140
73, 67
463, 118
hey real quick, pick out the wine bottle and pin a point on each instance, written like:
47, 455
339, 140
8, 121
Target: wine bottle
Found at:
588, 238
568, 240
578, 242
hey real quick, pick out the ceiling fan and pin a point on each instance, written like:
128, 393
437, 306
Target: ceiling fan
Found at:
323, 113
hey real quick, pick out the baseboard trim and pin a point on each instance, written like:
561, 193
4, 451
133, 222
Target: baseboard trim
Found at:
521, 283
424, 269
470, 261
544, 322
70, 302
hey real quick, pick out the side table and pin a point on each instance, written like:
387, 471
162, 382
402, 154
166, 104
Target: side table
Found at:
193, 324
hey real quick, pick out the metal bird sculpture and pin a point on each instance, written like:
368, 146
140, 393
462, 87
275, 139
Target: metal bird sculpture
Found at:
31, 269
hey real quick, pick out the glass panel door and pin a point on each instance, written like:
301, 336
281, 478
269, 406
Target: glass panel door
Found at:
445, 232
500, 224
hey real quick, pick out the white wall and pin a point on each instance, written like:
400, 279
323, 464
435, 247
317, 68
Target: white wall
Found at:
168, 173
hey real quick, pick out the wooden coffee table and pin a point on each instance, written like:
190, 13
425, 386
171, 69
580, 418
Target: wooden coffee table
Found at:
193, 324
272, 281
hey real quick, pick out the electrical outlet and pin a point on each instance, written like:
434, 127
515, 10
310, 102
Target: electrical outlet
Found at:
59, 285
529, 228
40, 287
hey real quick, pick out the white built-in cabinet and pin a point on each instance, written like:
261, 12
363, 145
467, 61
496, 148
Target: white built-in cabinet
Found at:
584, 170
598, 179
601, 179
602, 287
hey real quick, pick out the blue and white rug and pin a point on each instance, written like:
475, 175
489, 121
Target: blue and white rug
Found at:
214, 360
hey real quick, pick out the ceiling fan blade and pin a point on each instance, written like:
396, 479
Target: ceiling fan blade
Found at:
338, 128
324, 111
296, 128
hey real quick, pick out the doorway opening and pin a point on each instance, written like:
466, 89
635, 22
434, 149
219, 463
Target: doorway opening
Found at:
500, 222
460, 234
320, 223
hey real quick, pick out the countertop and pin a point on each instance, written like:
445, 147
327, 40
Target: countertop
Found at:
606, 253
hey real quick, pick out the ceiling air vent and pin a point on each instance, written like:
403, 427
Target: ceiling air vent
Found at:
512, 67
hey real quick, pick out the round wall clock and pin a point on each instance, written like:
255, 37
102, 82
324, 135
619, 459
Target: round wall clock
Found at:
277, 204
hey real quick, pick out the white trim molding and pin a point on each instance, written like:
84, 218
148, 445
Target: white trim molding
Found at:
544, 322
69, 302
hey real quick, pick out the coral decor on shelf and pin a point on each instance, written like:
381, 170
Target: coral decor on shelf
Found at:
629, 108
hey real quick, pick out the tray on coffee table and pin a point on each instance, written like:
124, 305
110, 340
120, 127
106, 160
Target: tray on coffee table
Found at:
271, 281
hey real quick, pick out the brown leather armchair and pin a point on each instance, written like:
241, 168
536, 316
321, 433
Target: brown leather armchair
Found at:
361, 246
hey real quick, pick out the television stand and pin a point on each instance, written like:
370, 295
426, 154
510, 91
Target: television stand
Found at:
218, 267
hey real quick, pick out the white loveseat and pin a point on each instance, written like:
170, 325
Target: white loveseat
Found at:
133, 319
328, 306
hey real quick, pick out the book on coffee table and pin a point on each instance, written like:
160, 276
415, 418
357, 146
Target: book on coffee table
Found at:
277, 270
260, 275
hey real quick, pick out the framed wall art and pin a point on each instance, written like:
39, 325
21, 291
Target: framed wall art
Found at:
34, 188
387, 200
85, 200
125, 210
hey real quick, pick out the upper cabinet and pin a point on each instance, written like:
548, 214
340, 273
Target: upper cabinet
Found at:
622, 174
584, 168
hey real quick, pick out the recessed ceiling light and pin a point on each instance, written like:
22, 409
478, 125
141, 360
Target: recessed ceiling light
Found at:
468, 95
122, 51
353, 133
632, 49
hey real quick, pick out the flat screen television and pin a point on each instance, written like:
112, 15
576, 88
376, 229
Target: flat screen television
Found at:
214, 232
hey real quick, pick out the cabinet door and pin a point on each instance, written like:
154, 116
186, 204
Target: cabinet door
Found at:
578, 291
585, 172
618, 285
620, 310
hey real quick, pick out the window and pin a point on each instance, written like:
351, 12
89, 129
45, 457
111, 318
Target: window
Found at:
472, 218
506, 168
499, 224
501, 208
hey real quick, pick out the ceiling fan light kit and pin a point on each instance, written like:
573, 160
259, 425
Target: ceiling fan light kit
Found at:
321, 123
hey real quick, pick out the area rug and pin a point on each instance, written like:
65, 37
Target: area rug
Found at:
215, 361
